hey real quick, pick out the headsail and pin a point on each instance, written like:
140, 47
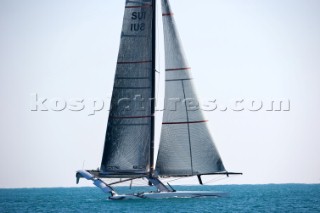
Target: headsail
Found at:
186, 146
130, 125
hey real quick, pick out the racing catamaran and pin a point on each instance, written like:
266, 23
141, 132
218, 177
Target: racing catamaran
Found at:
186, 147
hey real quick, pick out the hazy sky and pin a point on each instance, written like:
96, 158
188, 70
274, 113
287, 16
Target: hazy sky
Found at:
252, 50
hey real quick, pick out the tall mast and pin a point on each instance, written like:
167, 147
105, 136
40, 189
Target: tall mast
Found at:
153, 87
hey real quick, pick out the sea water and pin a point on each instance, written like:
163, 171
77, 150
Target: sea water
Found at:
242, 198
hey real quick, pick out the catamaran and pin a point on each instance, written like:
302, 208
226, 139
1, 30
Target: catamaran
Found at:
186, 147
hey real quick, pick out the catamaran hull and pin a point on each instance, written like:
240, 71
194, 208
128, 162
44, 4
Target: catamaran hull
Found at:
166, 195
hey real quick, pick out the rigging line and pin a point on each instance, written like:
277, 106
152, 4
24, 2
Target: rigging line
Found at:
141, 182
215, 180
185, 103
134, 182
228, 179
175, 179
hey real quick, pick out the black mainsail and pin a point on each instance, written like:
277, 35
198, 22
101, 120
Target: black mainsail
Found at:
186, 146
128, 149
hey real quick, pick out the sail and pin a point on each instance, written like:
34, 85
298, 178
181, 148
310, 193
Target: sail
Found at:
186, 147
130, 125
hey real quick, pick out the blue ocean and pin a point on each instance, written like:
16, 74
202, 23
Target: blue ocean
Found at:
241, 198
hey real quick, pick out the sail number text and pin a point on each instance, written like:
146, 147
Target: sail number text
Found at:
138, 16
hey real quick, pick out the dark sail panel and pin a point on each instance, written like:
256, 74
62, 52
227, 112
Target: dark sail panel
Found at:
127, 142
186, 147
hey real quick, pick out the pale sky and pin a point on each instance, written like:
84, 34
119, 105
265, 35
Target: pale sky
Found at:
238, 49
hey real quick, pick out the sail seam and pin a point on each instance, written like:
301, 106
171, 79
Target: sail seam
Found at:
188, 122
179, 69
184, 94
144, 124
133, 62
182, 79
133, 117
134, 36
131, 87
133, 78
143, 6
167, 14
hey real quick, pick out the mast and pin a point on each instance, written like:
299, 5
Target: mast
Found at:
154, 4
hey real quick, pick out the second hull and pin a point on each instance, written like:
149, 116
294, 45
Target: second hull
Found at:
165, 195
